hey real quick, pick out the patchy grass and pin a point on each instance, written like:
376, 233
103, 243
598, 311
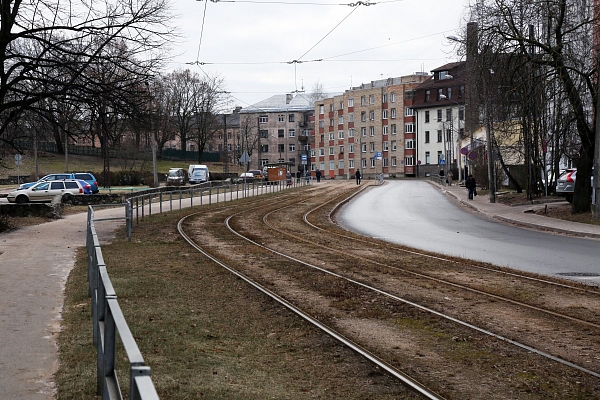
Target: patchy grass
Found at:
204, 332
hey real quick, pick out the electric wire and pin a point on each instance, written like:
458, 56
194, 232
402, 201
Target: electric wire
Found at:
201, 31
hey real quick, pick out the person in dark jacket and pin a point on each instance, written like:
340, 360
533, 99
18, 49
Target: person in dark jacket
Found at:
358, 176
471, 185
318, 175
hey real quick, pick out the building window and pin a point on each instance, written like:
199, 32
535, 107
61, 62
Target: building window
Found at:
461, 91
363, 164
449, 93
280, 118
263, 133
341, 120
427, 158
409, 161
264, 148
426, 136
393, 97
292, 146
350, 102
292, 132
331, 151
351, 132
448, 135
409, 112
363, 131
409, 144
393, 113
341, 149
371, 99
350, 163
280, 133
363, 147
321, 109
394, 162
351, 148
363, 100
313, 153
394, 145
394, 130
331, 165
384, 114
351, 117
371, 115
372, 161
264, 161
372, 147
281, 148
440, 92
341, 164
341, 105
409, 128
291, 118
363, 116
340, 134
426, 116
427, 95
331, 109
331, 122
321, 124
321, 152
371, 131
439, 115
385, 129
385, 162
263, 119
448, 114
386, 146
331, 136
439, 136
384, 98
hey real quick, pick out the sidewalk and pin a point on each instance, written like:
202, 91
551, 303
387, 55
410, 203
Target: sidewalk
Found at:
523, 215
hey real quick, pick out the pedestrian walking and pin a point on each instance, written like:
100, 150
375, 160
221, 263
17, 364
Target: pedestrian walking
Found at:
471, 185
298, 175
318, 175
442, 177
449, 178
358, 176
288, 177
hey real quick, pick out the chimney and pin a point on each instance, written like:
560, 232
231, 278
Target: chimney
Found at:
288, 98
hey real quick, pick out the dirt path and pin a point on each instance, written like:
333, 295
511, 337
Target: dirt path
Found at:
34, 264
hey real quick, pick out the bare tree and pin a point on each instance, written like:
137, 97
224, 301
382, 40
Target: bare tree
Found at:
553, 38
51, 49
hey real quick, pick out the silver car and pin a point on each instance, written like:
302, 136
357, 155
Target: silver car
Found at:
47, 191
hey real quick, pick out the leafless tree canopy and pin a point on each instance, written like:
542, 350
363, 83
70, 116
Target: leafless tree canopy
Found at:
91, 55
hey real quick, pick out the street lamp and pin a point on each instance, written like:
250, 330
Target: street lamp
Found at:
457, 152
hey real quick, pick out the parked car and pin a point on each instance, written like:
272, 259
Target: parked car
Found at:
247, 176
258, 174
176, 177
198, 176
195, 167
46, 191
565, 185
86, 176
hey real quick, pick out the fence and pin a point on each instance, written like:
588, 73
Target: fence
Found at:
108, 319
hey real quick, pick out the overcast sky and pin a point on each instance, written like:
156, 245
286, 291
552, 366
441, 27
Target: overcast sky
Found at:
250, 43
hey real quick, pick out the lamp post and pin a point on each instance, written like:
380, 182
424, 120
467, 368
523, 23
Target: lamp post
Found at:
457, 151
153, 144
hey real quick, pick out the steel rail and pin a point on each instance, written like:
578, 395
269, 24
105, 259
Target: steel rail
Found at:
420, 307
406, 379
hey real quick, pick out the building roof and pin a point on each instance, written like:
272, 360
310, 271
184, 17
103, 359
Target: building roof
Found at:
282, 103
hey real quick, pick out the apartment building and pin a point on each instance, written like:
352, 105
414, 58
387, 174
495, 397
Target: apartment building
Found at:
365, 128
439, 108
284, 129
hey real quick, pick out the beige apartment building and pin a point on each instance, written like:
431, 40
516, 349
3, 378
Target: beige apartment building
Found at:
366, 128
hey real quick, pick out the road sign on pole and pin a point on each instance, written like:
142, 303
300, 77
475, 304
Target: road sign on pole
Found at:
245, 158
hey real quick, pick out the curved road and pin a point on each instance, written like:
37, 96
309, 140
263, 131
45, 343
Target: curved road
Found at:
414, 213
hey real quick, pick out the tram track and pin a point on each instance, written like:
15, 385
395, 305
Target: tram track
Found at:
260, 238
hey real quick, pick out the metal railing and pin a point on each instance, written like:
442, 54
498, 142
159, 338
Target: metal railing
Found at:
108, 319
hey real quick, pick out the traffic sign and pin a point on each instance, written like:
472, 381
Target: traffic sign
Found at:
378, 155
18, 159
442, 162
245, 158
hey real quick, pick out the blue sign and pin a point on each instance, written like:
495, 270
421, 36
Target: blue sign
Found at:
442, 162
304, 157
378, 155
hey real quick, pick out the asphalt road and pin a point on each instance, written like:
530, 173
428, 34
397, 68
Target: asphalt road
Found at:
415, 214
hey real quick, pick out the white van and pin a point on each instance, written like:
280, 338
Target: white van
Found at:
198, 177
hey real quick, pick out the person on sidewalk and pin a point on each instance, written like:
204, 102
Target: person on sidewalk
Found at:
318, 175
471, 184
358, 176
449, 178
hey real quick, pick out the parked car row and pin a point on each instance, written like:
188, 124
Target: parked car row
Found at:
85, 176
46, 191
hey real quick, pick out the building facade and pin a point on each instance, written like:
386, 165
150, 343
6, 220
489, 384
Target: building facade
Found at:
439, 112
278, 129
365, 128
